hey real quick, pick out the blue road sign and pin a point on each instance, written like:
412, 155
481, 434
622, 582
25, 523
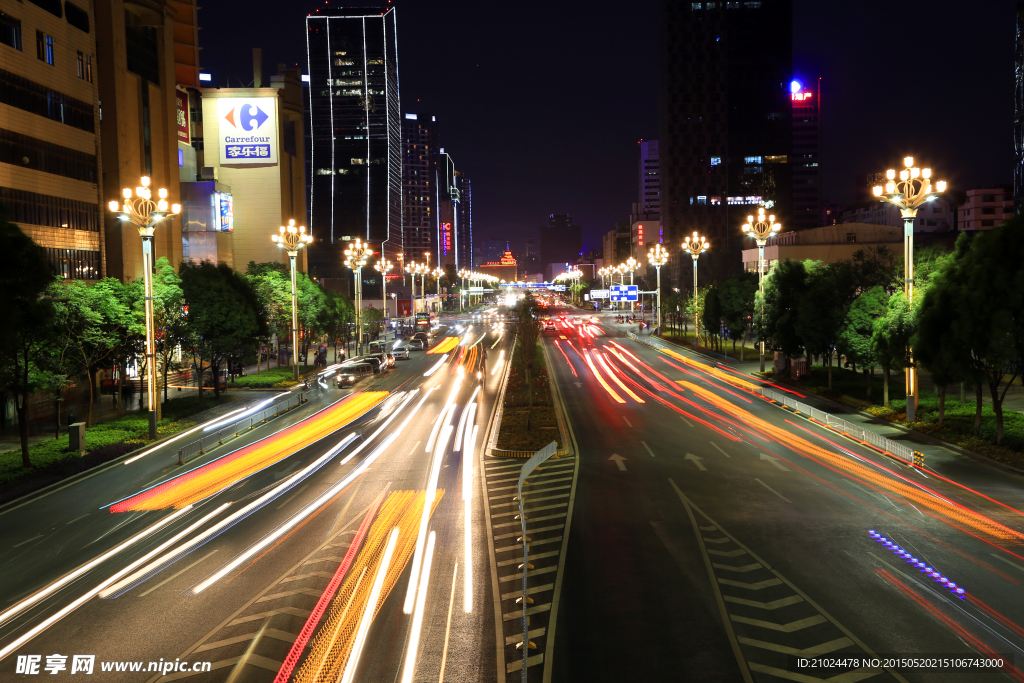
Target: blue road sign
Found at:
623, 292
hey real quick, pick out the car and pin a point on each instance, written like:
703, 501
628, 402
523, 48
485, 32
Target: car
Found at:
352, 371
400, 353
386, 360
418, 345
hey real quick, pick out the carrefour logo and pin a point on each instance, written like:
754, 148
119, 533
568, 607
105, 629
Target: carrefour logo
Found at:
247, 117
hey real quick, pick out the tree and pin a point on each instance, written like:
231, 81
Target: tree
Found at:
169, 318
736, 295
221, 315
711, 316
890, 338
528, 332
821, 310
783, 290
27, 315
858, 327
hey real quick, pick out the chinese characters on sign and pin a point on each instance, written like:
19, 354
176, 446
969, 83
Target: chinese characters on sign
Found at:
446, 238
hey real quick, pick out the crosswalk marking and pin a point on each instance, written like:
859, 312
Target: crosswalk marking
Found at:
533, 556
277, 634
514, 486
532, 500
812, 651
529, 510
784, 628
505, 496
727, 553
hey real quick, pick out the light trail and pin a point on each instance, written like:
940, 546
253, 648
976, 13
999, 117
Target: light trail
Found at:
417, 619
446, 345
467, 498
437, 366
391, 417
611, 392
706, 379
417, 558
245, 412
501, 357
48, 590
615, 378
371, 604
175, 438
564, 355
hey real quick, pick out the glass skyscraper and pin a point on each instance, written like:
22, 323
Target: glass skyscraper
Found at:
355, 131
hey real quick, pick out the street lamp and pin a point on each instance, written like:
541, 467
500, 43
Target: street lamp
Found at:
761, 230
913, 190
658, 256
142, 212
695, 246
356, 256
438, 272
384, 267
291, 239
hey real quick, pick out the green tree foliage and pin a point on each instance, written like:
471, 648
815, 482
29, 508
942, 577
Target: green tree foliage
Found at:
890, 338
27, 315
170, 321
855, 335
527, 332
784, 287
711, 316
822, 308
222, 319
982, 292
736, 296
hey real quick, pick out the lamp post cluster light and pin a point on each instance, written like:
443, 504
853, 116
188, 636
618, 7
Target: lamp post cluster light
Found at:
291, 239
761, 229
621, 269
695, 245
573, 275
415, 269
356, 255
913, 190
657, 257
139, 209
384, 266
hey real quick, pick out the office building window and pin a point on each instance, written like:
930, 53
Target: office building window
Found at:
76, 16
81, 65
88, 68
44, 47
30, 96
10, 31
56, 212
29, 152
74, 264
141, 47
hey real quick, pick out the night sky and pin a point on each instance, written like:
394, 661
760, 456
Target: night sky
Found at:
542, 103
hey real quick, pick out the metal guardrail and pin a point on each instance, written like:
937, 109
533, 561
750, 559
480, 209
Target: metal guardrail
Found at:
234, 427
837, 423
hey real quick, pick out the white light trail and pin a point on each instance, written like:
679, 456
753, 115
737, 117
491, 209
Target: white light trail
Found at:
417, 620
467, 498
71, 576
391, 417
501, 357
437, 366
371, 607
245, 412
428, 500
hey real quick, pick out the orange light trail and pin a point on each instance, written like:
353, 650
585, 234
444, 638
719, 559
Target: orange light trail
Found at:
611, 392
789, 391
706, 379
615, 378
731, 437
216, 476
445, 346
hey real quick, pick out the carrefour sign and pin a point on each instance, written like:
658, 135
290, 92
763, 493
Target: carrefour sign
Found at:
248, 130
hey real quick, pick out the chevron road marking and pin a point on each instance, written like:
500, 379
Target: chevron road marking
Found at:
791, 627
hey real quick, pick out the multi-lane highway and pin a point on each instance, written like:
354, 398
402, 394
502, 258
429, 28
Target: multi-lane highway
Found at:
287, 552
718, 537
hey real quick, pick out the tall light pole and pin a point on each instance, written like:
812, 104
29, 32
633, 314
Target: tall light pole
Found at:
291, 239
141, 211
657, 257
384, 267
695, 246
438, 272
913, 190
356, 255
761, 229
413, 268
462, 290
621, 270
601, 272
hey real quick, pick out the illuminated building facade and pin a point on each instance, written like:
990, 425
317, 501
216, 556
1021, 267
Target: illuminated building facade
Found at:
355, 133
725, 112
505, 268
806, 164
421, 141
464, 253
650, 178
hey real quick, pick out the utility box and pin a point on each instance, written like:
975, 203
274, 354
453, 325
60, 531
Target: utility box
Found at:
76, 437
798, 367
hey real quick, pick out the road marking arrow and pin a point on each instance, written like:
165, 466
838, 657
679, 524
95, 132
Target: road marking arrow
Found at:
696, 461
579, 385
620, 461
775, 462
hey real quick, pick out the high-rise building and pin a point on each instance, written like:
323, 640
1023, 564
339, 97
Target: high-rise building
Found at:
725, 114
355, 132
650, 179
447, 235
532, 261
49, 120
806, 164
464, 222
421, 141
493, 249
560, 240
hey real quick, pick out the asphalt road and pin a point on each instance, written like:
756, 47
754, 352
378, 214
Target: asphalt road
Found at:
718, 537
239, 598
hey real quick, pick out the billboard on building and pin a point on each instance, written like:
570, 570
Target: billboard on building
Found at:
226, 208
248, 130
181, 107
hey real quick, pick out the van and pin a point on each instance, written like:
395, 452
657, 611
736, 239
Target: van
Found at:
351, 372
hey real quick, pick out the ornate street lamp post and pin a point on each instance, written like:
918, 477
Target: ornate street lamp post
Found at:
695, 246
658, 256
384, 267
913, 190
356, 256
291, 239
761, 230
141, 211
438, 272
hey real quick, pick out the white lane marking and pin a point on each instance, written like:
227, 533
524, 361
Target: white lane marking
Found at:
413, 451
696, 461
171, 578
289, 498
619, 461
688, 423
719, 448
773, 490
648, 448
774, 461
78, 518
34, 538
626, 419
448, 627
1009, 562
